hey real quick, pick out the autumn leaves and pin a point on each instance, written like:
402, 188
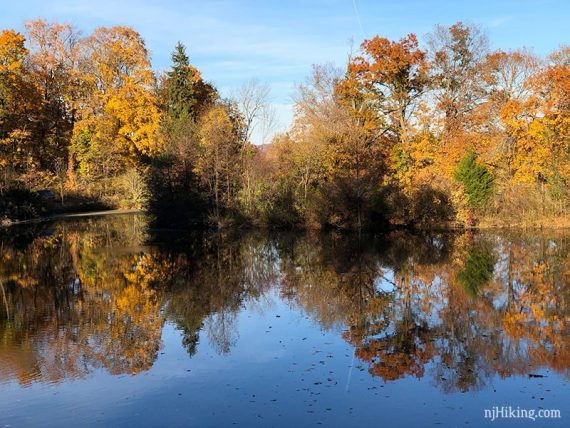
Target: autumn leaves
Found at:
415, 112
378, 141
88, 102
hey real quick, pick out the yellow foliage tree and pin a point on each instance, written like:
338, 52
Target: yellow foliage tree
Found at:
14, 138
120, 109
220, 156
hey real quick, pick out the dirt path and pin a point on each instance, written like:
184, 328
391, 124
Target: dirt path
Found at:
71, 215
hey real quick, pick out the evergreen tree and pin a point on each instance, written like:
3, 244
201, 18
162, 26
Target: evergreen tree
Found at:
181, 91
476, 178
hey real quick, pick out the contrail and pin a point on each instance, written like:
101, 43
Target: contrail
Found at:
350, 371
358, 17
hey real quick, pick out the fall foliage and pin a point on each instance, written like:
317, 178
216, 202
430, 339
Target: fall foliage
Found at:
440, 132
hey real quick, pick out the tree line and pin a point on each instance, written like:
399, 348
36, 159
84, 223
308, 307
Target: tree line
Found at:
406, 133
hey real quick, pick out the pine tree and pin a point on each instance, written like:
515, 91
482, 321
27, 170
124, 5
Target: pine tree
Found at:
476, 178
181, 92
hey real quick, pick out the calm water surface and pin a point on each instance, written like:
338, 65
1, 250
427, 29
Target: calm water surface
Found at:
104, 322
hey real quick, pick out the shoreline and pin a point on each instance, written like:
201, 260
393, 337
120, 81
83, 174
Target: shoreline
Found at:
486, 225
98, 213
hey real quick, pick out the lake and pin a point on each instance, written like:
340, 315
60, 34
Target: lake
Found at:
105, 322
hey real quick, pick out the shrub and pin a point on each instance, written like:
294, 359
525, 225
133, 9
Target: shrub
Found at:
476, 178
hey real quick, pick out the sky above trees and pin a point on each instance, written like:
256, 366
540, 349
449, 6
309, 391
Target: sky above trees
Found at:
276, 42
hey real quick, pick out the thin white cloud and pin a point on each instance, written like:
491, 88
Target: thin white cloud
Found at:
498, 21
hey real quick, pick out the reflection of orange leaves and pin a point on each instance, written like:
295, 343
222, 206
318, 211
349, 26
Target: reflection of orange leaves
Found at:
393, 365
558, 359
537, 321
150, 270
27, 281
513, 325
393, 357
17, 361
137, 307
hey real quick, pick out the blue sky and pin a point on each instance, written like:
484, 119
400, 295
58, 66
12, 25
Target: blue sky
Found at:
277, 41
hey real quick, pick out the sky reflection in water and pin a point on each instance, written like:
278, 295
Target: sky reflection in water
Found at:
103, 322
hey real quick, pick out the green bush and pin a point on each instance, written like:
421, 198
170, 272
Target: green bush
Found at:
476, 178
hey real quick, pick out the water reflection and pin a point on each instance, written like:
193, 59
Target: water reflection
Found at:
457, 308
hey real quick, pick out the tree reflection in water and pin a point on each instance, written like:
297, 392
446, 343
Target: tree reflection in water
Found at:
460, 308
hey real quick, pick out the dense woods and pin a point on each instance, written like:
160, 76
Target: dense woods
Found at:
443, 132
